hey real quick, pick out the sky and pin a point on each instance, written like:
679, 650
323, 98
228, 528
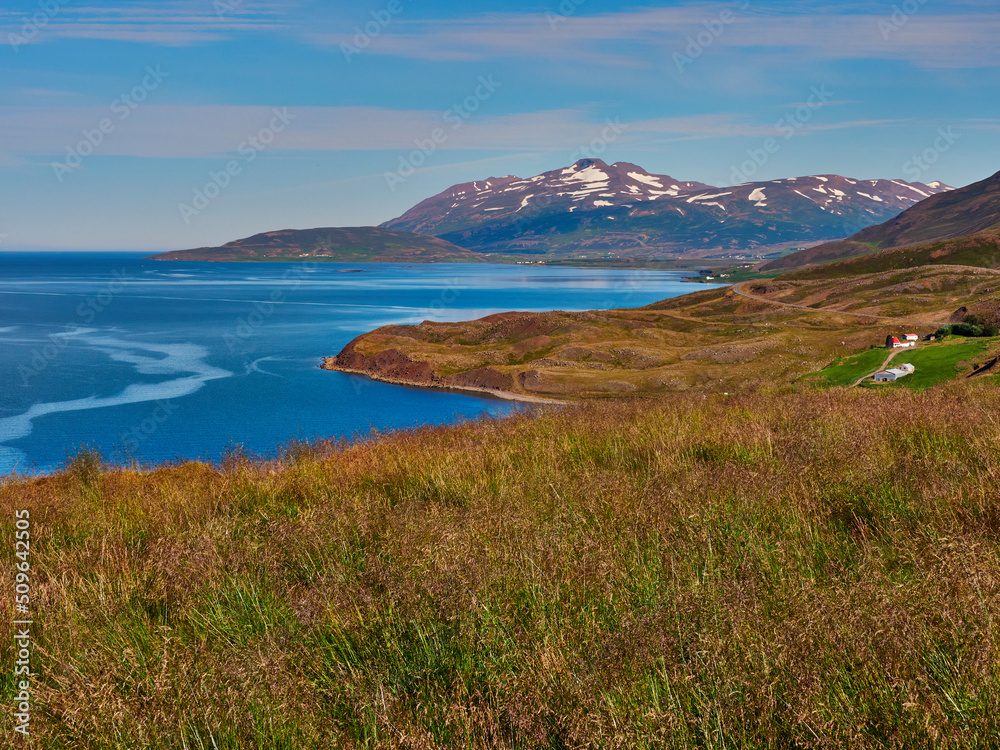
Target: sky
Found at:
190, 123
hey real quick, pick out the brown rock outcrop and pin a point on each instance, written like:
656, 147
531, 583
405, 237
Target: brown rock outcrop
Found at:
393, 366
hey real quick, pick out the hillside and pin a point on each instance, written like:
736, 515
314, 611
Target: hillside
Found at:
730, 339
592, 209
981, 250
810, 570
349, 244
956, 213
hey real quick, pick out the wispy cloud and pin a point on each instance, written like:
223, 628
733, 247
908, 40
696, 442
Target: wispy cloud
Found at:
964, 35
170, 23
926, 39
165, 131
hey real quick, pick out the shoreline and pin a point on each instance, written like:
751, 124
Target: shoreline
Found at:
687, 265
503, 395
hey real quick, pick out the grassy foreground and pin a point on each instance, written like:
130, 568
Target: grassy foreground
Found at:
817, 570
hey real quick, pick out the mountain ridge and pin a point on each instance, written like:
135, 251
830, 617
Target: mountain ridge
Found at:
958, 213
570, 210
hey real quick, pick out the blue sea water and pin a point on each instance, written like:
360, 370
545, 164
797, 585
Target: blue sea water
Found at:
152, 361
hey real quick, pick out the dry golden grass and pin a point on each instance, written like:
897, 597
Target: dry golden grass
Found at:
816, 570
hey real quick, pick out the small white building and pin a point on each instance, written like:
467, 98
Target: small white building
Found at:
893, 374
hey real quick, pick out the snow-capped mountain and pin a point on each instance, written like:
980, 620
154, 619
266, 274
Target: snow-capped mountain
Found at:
586, 185
832, 193
964, 211
593, 206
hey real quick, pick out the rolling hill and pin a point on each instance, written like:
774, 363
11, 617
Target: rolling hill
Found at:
348, 244
593, 209
764, 333
957, 213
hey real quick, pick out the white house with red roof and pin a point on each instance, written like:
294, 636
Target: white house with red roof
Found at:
893, 342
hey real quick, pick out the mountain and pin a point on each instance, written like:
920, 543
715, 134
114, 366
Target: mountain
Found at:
946, 216
350, 244
588, 184
592, 208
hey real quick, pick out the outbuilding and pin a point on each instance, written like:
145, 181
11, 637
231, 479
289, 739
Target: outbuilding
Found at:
893, 374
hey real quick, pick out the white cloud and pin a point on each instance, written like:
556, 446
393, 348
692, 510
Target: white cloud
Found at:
924, 39
182, 131
963, 37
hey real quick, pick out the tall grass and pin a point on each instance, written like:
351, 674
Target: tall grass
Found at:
770, 571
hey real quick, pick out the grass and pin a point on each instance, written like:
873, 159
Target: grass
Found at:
936, 363
848, 370
817, 570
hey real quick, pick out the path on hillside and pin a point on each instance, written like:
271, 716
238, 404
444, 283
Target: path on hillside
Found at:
885, 364
738, 289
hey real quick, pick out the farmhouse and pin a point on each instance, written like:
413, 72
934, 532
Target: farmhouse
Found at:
911, 337
893, 342
888, 376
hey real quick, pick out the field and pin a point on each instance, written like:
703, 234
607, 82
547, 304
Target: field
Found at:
773, 570
937, 363
848, 370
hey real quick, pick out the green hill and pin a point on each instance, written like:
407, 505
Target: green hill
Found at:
347, 244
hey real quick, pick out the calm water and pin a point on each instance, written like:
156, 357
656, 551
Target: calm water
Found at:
153, 361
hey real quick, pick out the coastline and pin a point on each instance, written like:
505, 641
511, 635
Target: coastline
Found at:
328, 364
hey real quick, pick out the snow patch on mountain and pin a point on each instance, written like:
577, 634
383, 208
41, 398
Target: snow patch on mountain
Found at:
648, 179
590, 174
871, 197
915, 190
706, 196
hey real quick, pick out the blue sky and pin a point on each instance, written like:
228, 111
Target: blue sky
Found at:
186, 123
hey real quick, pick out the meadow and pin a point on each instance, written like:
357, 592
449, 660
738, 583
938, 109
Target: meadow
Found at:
771, 570
939, 362
846, 371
